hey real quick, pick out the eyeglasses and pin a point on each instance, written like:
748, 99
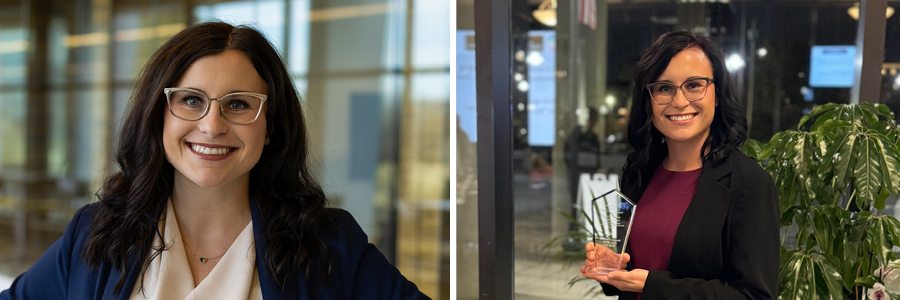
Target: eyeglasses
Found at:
192, 105
693, 89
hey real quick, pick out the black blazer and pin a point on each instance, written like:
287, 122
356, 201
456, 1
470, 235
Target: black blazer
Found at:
727, 244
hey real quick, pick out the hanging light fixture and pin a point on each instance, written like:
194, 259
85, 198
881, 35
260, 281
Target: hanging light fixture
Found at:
854, 11
546, 13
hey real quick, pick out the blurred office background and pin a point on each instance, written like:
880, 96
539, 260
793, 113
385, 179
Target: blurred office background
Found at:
373, 75
567, 57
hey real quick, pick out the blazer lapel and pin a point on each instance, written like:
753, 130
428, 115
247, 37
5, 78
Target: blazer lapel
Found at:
113, 278
697, 251
270, 289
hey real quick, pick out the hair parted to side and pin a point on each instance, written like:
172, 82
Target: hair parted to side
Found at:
291, 202
728, 130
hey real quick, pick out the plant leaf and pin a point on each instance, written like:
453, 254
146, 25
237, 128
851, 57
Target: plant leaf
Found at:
787, 215
831, 125
836, 163
823, 228
816, 112
753, 148
809, 275
867, 173
891, 167
882, 236
867, 281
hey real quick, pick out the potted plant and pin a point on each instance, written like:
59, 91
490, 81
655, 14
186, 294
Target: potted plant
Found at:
834, 175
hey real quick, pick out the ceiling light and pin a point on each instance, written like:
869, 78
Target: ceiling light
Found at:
734, 62
546, 13
854, 11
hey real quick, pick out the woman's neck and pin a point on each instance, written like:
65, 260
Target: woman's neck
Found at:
684, 155
208, 213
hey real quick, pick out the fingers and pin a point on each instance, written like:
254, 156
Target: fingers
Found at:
598, 277
617, 276
625, 259
589, 247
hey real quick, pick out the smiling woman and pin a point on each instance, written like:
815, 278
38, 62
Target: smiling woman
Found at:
706, 223
214, 186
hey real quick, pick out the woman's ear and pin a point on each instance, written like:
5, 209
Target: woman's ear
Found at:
269, 132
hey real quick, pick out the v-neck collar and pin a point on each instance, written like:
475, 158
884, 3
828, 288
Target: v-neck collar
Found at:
169, 275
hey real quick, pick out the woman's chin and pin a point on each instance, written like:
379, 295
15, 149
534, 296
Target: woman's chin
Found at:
203, 179
686, 136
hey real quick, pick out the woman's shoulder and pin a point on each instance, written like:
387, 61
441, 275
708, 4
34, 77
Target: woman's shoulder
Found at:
80, 224
751, 172
345, 228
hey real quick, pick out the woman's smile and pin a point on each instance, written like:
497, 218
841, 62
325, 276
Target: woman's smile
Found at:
210, 151
681, 118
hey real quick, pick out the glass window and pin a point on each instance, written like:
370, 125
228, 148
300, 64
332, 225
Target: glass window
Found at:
466, 189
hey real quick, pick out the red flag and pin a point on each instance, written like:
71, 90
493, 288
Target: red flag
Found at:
587, 13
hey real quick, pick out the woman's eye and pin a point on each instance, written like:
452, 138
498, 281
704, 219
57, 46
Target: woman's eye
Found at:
192, 101
235, 105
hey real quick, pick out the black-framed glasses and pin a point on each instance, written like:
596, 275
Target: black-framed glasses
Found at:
693, 89
192, 105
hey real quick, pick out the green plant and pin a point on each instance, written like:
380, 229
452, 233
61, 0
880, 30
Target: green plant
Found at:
833, 176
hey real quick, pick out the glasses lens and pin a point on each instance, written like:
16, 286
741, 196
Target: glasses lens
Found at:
662, 92
241, 108
695, 89
187, 105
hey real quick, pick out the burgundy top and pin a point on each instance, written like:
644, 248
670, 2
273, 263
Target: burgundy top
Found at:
658, 215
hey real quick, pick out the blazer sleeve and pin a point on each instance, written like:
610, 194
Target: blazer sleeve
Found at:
48, 277
751, 251
609, 289
365, 271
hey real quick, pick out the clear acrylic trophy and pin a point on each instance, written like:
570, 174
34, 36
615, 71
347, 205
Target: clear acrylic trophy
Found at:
611, 216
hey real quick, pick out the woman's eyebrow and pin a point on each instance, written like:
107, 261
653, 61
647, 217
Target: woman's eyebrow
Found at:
689, 78
194, 88
231, 92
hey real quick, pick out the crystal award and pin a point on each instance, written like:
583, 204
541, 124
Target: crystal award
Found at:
611, 216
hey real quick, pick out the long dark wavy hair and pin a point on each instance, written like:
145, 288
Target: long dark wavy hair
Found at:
290, 200
727, 132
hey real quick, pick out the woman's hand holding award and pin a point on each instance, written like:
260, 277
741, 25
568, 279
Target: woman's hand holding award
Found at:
611, 216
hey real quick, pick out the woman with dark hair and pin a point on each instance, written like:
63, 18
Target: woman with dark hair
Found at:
214, 198
706, 222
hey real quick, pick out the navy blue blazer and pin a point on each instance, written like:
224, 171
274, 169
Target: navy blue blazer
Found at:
359, 270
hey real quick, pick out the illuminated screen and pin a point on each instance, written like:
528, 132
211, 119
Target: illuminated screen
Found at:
541, 61
832, 66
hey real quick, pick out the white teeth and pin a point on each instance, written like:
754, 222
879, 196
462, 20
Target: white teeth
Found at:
682, 117
210, 151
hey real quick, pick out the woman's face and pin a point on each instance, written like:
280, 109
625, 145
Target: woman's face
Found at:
235, 149
682, 120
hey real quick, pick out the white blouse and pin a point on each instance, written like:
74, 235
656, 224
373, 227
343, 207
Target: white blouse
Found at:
168, 276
